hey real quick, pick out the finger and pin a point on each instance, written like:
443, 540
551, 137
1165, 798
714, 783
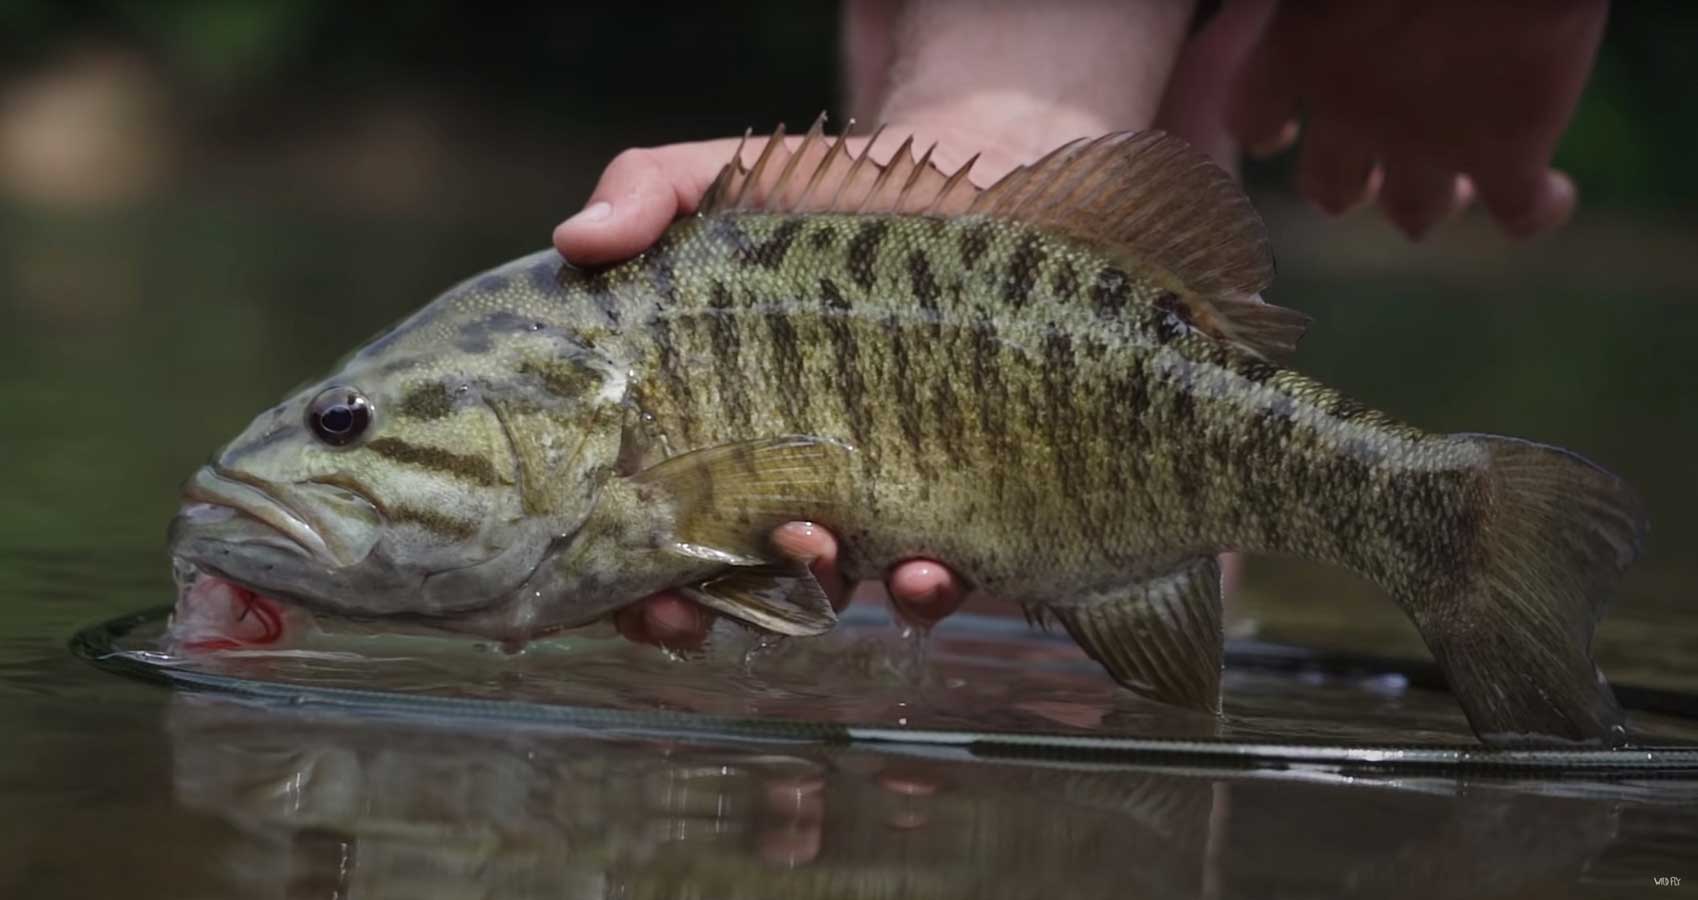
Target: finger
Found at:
1201, 86
666, 620
814, 547
1525, 205
1336, 171
1262, 112
639, 194
924, 591
675, 622
1418, 195
1465, 192
1231, 573
1278, 142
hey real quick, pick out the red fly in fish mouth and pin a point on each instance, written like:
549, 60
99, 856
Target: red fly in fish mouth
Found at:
218, 614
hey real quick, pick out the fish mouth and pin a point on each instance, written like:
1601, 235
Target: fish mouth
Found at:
214, 612
226, 501
215, 489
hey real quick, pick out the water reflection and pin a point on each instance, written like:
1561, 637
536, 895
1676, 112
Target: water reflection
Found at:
346, 807
972, 674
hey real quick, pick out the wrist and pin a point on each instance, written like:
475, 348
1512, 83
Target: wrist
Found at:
1008, 124
1027, 77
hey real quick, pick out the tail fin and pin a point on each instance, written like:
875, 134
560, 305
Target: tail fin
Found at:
1514, 634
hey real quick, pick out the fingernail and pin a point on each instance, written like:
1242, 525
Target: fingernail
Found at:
595, 212
797, 540
1464, 192
923, 572
1536, 207
1563, 198
1423, 220
1285, 137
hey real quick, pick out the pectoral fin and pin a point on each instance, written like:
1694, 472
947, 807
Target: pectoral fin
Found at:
783, 601
728, 498
1161, 638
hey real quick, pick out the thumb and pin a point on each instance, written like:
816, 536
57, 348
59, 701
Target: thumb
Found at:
640, 193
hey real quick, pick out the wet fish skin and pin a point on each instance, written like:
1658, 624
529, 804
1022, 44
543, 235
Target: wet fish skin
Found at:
1066, 426
1041, 441
1053, 426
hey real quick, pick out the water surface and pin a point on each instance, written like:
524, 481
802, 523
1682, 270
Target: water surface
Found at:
133, 344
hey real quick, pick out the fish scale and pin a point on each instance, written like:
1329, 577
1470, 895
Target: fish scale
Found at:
1064, 451
1066, 386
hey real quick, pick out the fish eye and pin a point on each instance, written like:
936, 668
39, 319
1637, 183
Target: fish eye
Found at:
339, 415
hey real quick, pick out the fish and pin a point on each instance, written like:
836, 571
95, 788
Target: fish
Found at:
1067, 386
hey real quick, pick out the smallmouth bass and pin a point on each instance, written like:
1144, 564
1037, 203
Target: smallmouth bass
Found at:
1065, 386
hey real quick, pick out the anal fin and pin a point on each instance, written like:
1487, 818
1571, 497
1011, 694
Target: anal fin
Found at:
1161, 638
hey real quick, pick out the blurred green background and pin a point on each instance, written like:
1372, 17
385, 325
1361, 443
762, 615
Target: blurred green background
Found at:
203, 203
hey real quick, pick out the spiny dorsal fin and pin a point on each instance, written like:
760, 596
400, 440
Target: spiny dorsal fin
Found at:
1156, 204
821, 174
1145, 199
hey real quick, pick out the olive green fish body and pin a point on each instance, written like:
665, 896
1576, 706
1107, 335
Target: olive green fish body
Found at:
1064, 386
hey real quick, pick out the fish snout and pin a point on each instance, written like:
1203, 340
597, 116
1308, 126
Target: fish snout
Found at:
326, 522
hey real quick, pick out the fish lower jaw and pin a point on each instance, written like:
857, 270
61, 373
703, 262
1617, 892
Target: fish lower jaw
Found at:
217, 611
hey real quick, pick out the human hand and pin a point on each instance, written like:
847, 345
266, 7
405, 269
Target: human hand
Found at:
643, 190
1422, 105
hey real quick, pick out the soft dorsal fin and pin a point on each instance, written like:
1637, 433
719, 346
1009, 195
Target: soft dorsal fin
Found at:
1146, 199
1154, 202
